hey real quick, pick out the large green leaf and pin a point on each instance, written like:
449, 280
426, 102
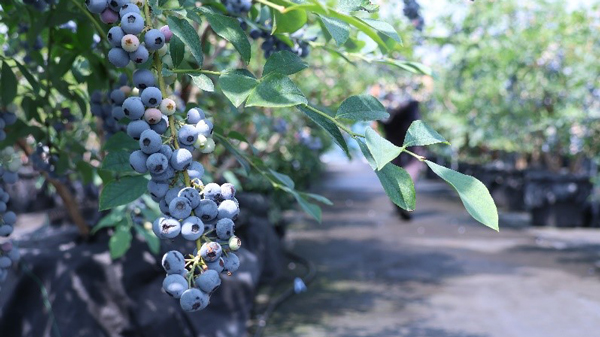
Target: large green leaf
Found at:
310, 208
421, 134
338, 29
229, 29
188, 35
122, 191
284, 62
472, 192
203, 82
177, 50
347, 6
8, 84
328, 125
117, 161
413, 67
234, 151
120, 242
381, 149
384, 28
112, 219
121, 141
276, 91
283, 179
32, 81
237, 85
362, 108
288, 22
396, 182
151, 239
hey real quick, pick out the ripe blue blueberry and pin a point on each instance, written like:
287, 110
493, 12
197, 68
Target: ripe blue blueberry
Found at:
231, 263
128, 8
195, 170
164, 208
191, 194
96, 6
140, 55
173, 262
180, 208
161, 127
212, 191
217, 266
208, 281
133, 108
228, 209
143, 78
227, 191
187, 134
117, 113
5, 230
135, 129
154, 39
211, 251
118, 57
174, 285
166, 176
137, 160
225, 228
151, 97
192, 228
172, 193
116, 5
181, 159
117, 96
114, 36
132, 23
169, 228
195, 115
150, 142
207, 210
157, 163
193, 300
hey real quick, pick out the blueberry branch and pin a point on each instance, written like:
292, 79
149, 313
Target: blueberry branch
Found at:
335, 121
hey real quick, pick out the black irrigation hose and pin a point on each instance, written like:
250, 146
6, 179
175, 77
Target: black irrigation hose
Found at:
309, 277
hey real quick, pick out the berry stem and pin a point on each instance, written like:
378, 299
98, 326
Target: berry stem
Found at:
335, 121
201, 71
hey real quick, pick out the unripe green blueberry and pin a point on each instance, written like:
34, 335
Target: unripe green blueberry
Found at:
235, 243
209, 147
162, 51
139, 3
168, 107
200, 142
167, 61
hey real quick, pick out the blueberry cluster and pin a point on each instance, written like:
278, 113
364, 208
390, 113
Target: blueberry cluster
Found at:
412, 11
272, 44
107, 106
10, 163
42, 160
237, 7
128, 45
9, 257
7, 118
40, 5
205, 215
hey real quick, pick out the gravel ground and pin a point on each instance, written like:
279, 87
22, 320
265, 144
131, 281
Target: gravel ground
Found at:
439, 275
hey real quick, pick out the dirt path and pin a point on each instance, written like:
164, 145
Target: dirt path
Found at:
440, 275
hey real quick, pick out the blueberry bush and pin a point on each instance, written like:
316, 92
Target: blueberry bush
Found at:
174, 106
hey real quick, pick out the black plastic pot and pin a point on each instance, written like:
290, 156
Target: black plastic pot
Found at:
557, 200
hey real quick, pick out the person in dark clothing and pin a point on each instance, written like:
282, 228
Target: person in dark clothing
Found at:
395, 129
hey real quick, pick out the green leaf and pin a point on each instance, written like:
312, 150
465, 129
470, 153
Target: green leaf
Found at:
32, 81
188, 35
203, 82
413, 67
283, 179
122, 191
151, 239
328, 125
237, 85
112, 219
284, 62
229, 29
86, 170
384, 28
421, 134
396, 182
310, 208
117, 161
288, 22
177, 50
8, 84
381, 149
473, 193
276, 91
233, 150
362, 108
120, 242
357, 5
121, 141
338, 29
318, 198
